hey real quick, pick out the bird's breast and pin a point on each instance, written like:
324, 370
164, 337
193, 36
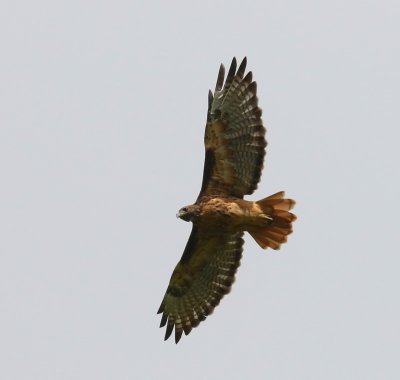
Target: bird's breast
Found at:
225, 212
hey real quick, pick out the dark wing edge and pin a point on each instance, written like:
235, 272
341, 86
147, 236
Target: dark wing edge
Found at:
200, 280
235, 136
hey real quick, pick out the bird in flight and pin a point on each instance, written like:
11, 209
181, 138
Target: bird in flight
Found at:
234, 154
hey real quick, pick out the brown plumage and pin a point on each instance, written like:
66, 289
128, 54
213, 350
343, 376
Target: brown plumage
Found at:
234, 154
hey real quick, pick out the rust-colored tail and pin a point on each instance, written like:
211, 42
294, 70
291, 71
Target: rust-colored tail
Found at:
279, 220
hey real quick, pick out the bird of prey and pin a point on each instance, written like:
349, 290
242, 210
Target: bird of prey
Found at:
234, 153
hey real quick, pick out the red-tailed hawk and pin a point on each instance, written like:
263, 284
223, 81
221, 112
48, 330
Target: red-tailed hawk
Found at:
234, 153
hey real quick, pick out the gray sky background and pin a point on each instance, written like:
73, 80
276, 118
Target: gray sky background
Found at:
102, 114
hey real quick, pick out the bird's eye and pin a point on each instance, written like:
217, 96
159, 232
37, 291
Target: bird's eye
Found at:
184, 209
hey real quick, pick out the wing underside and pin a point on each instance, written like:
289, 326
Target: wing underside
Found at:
234, 137
203, 276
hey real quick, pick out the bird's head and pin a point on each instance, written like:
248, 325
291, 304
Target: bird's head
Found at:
188, 213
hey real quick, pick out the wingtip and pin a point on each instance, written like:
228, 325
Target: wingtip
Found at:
220, 78
248, 78
178, 335
234, 62
161, 308
231, 73
164, 320
168, 332
242, 67
210, 99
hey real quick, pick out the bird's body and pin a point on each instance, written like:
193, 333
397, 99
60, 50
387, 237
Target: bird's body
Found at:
235, 147
230, 214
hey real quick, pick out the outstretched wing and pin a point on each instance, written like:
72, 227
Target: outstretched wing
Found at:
202, 277
234, 137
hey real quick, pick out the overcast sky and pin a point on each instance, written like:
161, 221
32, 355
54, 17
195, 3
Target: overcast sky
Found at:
102, 113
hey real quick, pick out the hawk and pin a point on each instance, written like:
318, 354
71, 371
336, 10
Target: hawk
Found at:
234, 153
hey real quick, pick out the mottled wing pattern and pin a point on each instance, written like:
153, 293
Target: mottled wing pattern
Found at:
202, 277
234, 137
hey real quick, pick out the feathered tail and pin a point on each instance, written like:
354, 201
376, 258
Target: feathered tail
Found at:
279, 221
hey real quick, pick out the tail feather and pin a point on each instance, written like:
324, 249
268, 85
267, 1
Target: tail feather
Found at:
279, 238
276, 207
